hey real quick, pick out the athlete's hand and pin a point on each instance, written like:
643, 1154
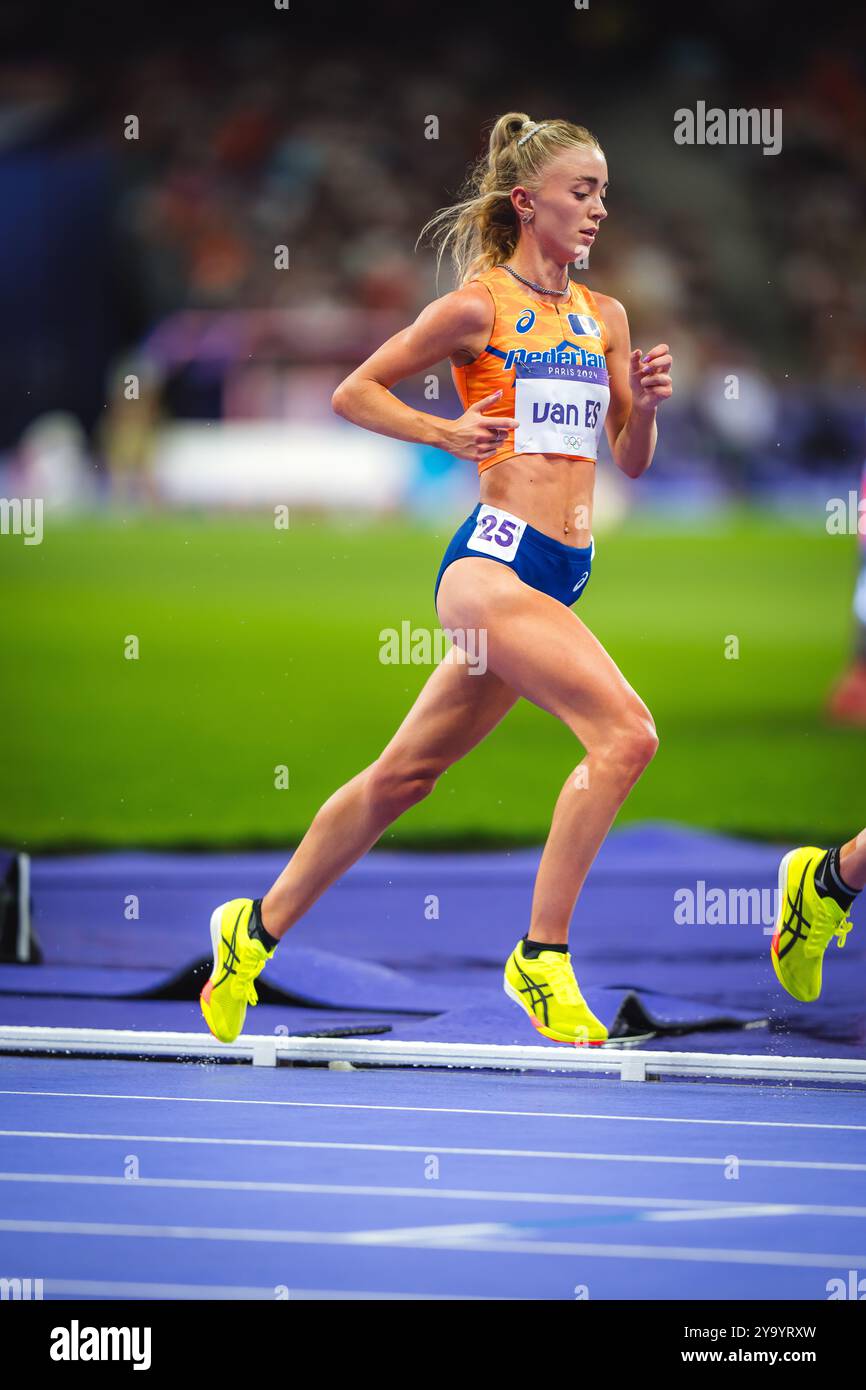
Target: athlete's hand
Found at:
649, 377
477, 436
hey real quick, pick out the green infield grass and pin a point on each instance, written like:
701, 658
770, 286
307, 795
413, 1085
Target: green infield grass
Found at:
259, 649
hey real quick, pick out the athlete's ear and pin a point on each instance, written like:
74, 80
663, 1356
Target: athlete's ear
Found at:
520, 203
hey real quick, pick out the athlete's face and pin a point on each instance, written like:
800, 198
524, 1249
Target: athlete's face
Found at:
569, 205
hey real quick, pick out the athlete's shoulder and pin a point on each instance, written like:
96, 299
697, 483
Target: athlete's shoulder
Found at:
463, 314
614, 316
607, 302
475, 301
610, 308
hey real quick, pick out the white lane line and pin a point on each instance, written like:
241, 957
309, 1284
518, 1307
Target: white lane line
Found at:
464, 1243
582, 1156
669, 1208
100, 1288
433, 1235
439, 1110
713, 1211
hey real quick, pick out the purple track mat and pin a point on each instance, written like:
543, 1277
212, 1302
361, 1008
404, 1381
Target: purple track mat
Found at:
420, 935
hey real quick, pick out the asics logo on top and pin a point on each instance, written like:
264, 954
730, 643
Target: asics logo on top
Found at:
525, 322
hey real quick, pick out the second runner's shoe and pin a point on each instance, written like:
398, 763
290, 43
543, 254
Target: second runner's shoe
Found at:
546, 990
805, 925
237, 960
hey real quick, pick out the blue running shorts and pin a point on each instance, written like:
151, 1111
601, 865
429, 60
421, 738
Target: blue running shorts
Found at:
555, 568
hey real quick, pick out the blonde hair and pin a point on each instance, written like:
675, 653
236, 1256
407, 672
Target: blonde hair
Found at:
482, 229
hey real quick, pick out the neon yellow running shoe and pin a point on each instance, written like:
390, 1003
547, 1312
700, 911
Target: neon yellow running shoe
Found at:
545, 988
237, 960
805, 925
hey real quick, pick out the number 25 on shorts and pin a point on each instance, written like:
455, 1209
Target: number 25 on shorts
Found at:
496, 533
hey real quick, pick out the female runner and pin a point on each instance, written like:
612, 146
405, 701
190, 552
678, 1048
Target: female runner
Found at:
542, 366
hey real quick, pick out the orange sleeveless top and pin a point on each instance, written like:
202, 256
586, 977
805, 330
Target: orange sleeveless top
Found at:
550, 362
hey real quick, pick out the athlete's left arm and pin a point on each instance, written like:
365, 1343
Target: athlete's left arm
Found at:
638, 385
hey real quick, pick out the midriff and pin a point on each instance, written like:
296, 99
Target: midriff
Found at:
551, 492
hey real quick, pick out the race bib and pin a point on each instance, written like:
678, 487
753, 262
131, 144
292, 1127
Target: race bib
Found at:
496, 533
561, 408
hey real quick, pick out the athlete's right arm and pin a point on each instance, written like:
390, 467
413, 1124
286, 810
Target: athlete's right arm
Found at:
458, 323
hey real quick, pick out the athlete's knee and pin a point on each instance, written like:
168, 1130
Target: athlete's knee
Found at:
646, 743
397, 785
631, 740
639, 741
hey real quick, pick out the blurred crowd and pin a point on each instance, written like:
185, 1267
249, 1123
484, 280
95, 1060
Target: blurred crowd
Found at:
331, 157
745, 263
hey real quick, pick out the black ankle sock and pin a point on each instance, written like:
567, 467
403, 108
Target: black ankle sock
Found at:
532, 948
830, 883
256, 927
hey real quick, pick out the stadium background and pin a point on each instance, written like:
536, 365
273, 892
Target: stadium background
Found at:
259, 647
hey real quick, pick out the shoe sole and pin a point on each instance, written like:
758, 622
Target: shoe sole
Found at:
783, 884
547, 1032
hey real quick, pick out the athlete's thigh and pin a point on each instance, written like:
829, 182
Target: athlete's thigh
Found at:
538, 647
454, 711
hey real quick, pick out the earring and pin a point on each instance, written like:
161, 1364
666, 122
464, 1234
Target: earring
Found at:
527, 217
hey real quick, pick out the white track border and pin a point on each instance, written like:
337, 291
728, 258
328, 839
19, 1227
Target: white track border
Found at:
268, 1051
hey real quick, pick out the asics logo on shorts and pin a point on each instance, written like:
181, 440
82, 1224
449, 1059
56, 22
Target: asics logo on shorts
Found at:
580, 583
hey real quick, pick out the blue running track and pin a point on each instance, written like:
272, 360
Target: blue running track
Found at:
190, 1180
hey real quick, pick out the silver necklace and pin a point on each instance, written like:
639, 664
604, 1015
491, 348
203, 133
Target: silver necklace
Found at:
531, 283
